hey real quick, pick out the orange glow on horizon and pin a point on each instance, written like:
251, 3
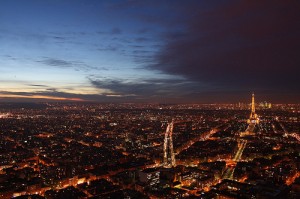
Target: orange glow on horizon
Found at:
40, 97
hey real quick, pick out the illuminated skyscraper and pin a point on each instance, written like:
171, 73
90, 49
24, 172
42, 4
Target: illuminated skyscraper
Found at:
169, 156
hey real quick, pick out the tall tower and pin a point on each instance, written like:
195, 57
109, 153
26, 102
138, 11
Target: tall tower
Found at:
169, 156
252, 105
253, 116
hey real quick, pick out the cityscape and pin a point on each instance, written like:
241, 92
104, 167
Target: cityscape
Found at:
79, 150
149, 99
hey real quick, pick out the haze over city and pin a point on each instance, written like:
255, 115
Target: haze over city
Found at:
150, 51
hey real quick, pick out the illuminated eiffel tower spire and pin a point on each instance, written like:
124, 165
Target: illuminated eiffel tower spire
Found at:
253, 116
253, 105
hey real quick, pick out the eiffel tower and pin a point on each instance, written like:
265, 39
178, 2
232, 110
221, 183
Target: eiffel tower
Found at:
253, 119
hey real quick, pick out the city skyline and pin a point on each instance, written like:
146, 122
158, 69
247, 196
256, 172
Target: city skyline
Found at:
93, 150
149, 51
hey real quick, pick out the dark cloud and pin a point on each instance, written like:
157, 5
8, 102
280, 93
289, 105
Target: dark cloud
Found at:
16, 93
59, 38
9, 57
143, 59
147, 88
172, 90
37, 85
76, 65
48, 92
57, 62
249, 45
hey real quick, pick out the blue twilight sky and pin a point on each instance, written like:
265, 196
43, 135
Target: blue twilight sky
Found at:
149, 51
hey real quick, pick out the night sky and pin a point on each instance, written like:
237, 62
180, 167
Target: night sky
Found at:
198, 51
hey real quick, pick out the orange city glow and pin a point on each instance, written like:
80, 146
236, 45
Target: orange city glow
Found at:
40, 97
